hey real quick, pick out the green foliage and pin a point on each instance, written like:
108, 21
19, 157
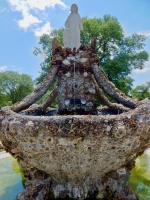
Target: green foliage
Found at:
107, 31
45, 97
14, 87
141, 91
140, 177
4, 100
118, 54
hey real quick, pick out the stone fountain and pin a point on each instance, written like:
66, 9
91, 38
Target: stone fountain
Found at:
82, 151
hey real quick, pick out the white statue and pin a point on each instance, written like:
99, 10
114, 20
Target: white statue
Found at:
71, 35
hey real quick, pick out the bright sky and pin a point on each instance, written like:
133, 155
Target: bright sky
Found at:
23, 21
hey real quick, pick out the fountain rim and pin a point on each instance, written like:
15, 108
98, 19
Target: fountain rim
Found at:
8, 112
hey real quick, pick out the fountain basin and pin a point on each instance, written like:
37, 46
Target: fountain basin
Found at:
77, 150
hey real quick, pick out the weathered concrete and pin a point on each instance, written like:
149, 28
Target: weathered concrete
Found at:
80, 155
76, 156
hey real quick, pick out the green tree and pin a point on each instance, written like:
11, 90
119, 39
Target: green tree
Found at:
141, 91
4, 100
14, 87
118, 54
45, 97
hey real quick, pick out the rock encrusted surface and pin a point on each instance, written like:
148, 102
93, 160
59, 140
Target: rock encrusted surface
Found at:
76, 88
76, 94
77, 156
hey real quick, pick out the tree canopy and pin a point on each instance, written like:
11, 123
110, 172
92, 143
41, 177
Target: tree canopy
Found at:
14, 87
141, 91
118, 54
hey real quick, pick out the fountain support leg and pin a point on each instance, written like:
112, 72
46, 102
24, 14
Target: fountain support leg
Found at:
113, 106
110, 89
113, 186
39, 91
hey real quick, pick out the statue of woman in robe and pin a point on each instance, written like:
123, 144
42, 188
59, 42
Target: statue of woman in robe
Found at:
71, 35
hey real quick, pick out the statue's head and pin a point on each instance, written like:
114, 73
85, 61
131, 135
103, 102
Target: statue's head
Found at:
74, 8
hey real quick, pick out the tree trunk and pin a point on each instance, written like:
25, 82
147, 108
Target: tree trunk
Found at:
39, 91
110, 89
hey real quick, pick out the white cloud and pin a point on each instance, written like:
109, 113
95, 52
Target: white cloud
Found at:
1, 11
14, 68
28, 21
28, 6
19, 5
42, 4
146, 33
146, 69
44, 29
139, 71
125, 31
3, 68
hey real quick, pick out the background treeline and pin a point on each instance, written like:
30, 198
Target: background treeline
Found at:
118, 56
